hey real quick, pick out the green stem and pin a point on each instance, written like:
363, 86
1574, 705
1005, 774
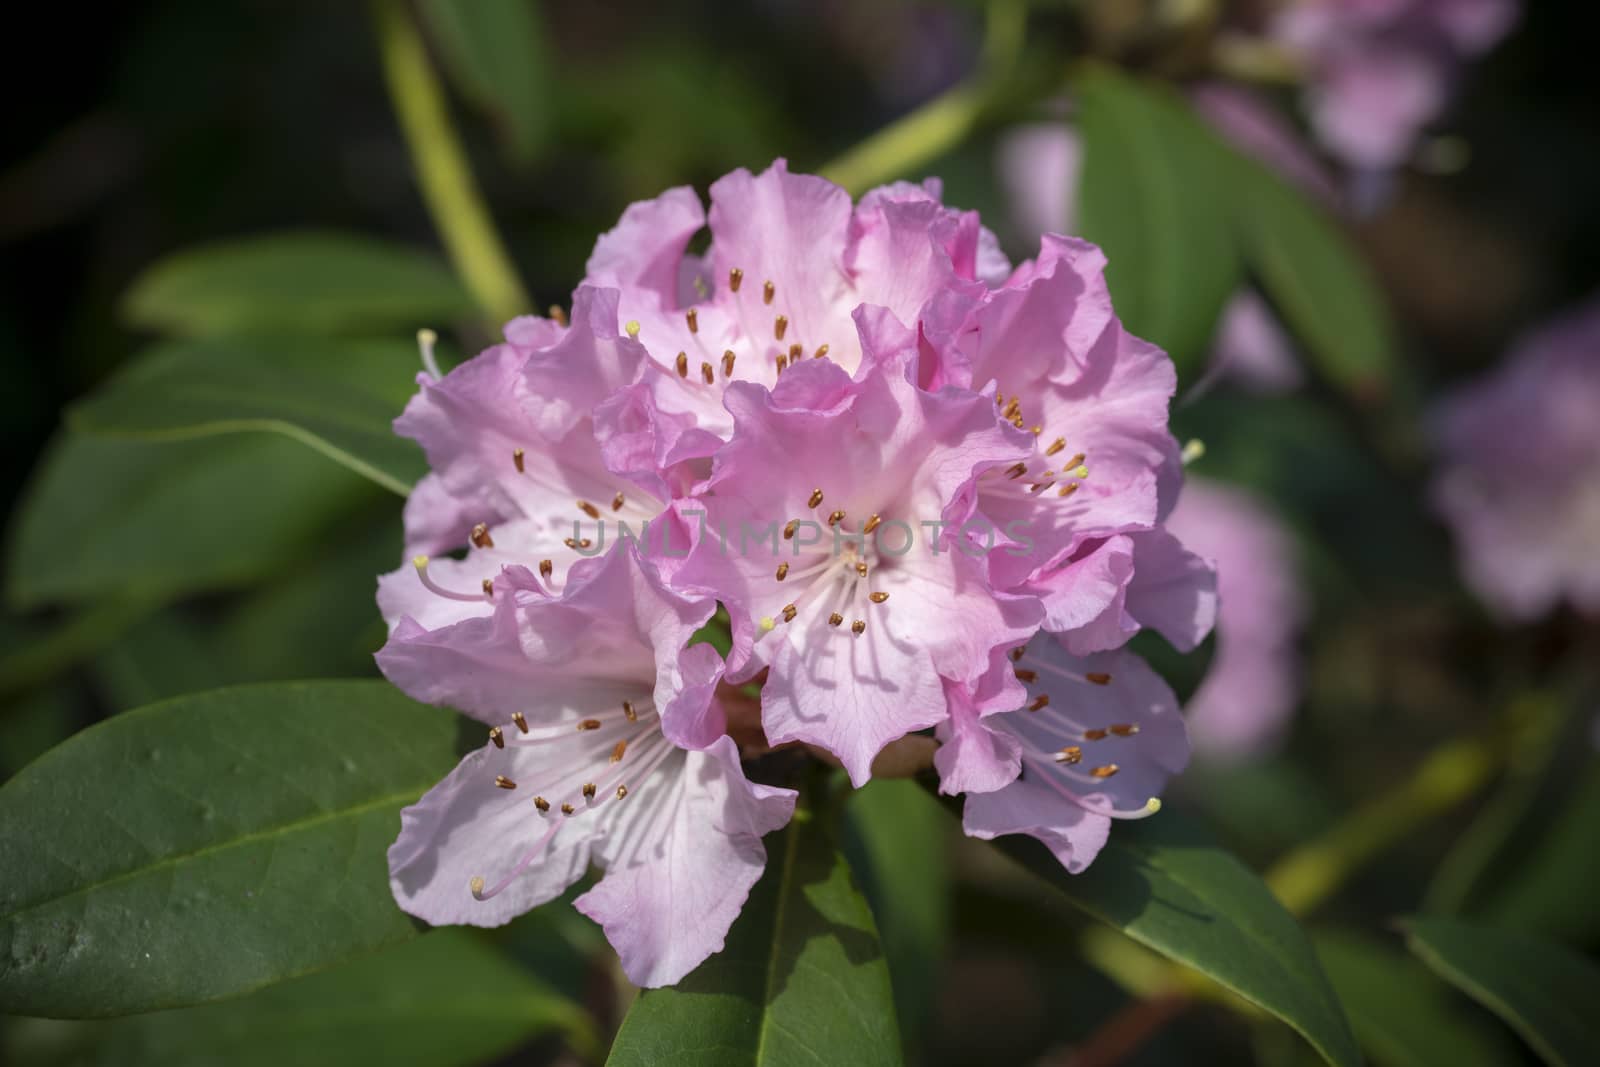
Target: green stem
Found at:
943, 122
1451, 773
446, 179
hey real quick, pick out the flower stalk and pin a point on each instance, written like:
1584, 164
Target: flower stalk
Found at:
448, 188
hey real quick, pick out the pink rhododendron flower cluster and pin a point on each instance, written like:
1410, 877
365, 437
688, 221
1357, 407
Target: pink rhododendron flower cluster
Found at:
928, 487
1527, 524
1378, 71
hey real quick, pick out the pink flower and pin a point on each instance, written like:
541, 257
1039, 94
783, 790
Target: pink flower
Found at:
516, 456
607, 747
1085, 741
1099, 464
830, 532
1380, 70
790, 261
1244, 705
1519, 472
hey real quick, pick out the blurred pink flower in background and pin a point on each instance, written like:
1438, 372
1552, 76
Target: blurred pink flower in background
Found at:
1378, 71
1244, 705
1519, 472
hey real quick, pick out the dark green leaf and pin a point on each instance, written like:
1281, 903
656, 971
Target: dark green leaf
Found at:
339, 397
1403, 1016
1153, 196
164, 656
204, 847
443, 1000
1545, 992
154, 520
496, 54
802, 979
313, 283
1167, 886
1315, 278
1553, 889
901, 833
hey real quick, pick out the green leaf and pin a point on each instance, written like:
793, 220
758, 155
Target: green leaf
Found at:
1403, 1016
310, 283
1545, 992
1167, 886
210, 845
1153, 196
900, 833
166, 655
1552, 890
1315, 279
105, 518
801, 980
496, 55
442, 1000
339, 397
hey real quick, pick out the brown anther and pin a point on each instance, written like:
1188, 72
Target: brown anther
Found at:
566, 809
1070, 754
1099, 678
1016, 421
683, 364
588, 724
767, 292
628, 712
497, 737
480, 536
622, 791
835, 619
1012, 409
1075, 461
1094, 735
796, 352
488, 587
589, 790
558, 314
1017, 654
780, 326
821, 353
693, 318
727, 363
816, 498
503, 782
877, 598
783, 363
872, 523
783, 571
861, 569
789, 612
1036, 430
858, 627
588, 509
541, 803
521, 720
575, 543
1025, 675
546, 568
735, 279
1056, 446
1016, 471
517, 460
1105, 771
789, 528
1068, 489
708, 373
616, 502
1124, 729
1039, 702
835, 517
1039, 487
618, 750
999, 399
